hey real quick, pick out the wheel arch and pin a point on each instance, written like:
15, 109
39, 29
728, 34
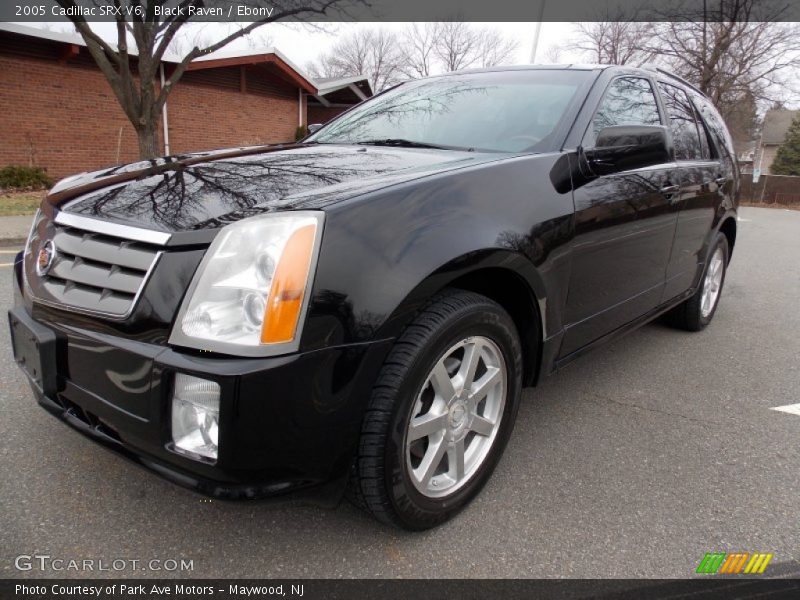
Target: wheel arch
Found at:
506, 277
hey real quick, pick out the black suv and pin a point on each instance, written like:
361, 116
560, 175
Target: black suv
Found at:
360, 311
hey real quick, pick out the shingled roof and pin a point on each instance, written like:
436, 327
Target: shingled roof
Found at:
776, 123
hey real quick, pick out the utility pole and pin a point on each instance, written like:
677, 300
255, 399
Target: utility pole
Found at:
536, 31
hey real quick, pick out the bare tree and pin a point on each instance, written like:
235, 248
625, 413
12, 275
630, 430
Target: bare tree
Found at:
134, 79
614, 42
553, 55
385, 60
373, 53
202, 36
188, 38
733, 49
258, 40
457, 45
742, 120
420, 50
417, 47
495, 49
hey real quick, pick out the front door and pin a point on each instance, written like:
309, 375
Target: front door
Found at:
624, 225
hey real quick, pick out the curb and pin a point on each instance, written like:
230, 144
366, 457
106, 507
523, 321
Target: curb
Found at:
17, 241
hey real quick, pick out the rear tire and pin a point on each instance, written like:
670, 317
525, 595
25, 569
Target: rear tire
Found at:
441, 412
696, 313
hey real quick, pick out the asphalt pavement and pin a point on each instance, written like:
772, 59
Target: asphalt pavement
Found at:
634, 461
14, 230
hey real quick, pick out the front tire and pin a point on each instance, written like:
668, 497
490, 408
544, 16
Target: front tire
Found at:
441, 412
696, 312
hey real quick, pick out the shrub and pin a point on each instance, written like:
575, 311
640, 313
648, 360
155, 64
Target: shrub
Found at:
787, 159
16, 177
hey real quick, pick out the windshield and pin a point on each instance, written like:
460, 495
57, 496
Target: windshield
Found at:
505, 111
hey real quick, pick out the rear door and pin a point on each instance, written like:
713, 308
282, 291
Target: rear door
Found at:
624, 225
701, 176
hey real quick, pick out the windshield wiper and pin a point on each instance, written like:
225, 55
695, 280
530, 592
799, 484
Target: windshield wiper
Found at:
402, 143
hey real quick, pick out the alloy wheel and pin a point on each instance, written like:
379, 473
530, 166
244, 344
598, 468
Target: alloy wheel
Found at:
712, 282
456, 416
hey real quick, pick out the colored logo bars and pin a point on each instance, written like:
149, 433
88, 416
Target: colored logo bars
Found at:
734, 562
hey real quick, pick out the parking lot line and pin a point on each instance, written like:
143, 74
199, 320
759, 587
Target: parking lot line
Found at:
793, 409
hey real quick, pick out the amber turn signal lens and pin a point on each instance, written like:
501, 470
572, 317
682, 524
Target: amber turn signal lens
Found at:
288, 287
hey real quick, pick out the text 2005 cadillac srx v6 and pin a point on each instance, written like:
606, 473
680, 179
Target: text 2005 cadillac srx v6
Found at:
359, 312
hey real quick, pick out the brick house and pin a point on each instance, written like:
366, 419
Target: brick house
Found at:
58, 111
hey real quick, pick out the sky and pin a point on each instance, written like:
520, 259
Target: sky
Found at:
302, 44
294, 42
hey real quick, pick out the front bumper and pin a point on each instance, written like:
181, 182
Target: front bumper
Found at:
287, 424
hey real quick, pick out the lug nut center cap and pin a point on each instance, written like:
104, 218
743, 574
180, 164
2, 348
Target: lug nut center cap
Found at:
458, 415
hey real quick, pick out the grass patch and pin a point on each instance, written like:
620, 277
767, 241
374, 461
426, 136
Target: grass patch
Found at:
20, 203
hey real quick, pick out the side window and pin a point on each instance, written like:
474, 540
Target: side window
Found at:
683, 125
627, 101
705, 137
722, 146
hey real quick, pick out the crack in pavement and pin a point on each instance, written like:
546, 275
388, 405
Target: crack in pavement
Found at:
655, 410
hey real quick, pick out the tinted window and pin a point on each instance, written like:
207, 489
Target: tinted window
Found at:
705, 136
685, 134
722, 141
628, 101
507, 111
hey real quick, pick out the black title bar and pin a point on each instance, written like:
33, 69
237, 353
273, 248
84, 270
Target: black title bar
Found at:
404, 10
438, 589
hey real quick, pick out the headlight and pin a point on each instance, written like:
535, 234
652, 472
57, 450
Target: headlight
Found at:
249, 295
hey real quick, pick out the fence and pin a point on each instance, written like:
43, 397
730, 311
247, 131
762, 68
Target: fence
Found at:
771, 189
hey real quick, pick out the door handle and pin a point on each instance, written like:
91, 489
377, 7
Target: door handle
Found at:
670, 190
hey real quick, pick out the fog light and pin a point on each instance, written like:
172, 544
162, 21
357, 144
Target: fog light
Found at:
195, 416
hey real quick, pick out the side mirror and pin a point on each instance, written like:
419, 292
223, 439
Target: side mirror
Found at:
626, 147
314, 127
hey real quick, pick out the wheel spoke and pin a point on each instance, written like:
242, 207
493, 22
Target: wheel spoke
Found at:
430, 462
484, 385
442, 384
482, 425
455, 457
469, 364
426, 425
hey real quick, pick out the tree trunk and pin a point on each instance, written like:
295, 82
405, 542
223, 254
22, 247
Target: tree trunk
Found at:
148, 140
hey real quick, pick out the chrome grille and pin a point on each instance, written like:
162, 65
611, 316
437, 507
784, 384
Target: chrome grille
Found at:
90, 272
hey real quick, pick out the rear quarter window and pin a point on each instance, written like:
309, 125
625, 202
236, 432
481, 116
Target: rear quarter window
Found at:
716, 125
685, 133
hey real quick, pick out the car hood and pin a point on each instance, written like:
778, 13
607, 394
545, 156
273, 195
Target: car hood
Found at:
208, 191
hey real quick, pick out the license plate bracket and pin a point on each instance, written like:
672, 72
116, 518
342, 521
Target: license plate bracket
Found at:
34, 347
